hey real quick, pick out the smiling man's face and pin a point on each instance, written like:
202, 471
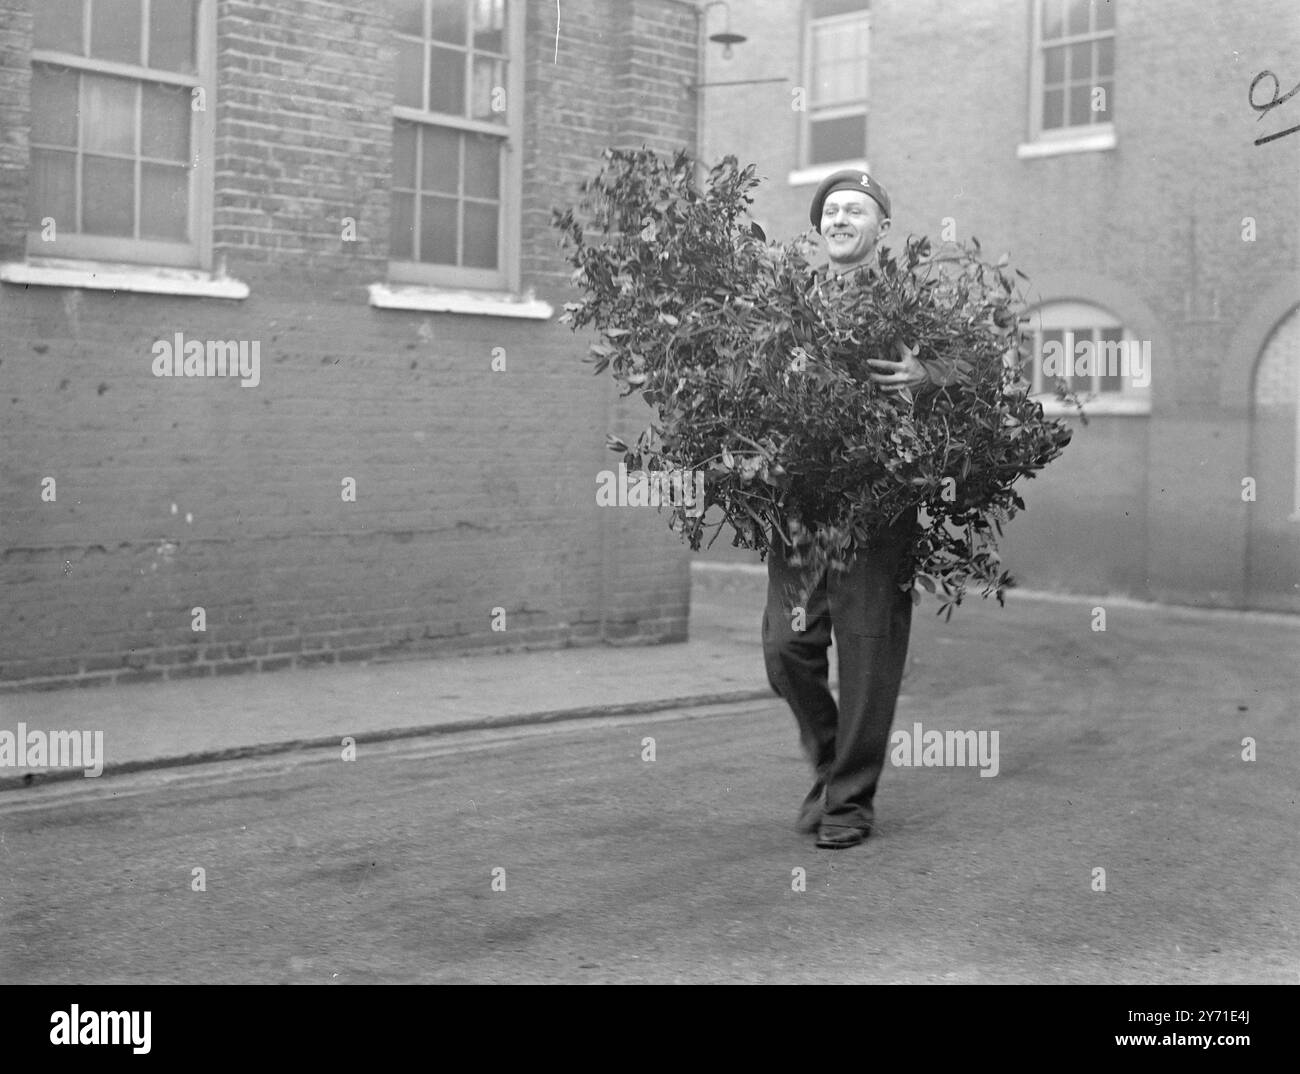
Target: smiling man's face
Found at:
852, 222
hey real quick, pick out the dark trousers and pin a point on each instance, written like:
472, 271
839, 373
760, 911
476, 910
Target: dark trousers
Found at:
871, 618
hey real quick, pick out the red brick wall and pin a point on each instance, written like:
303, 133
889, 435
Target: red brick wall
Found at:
475, 489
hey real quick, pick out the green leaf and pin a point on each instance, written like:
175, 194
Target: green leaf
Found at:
703, 325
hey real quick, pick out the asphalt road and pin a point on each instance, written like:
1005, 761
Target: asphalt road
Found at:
680, 869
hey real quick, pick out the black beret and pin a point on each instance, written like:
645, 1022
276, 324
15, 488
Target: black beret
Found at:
847, 179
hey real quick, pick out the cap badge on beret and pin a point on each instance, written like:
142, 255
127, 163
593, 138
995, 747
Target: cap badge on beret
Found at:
847, 179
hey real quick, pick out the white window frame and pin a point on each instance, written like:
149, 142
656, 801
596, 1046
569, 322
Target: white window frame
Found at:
504, 279
1074, 139
806, 164
70, 247
1294, 516
1278, 337
1066, 317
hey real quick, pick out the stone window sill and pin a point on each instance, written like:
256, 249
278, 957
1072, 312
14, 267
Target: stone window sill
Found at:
1098, 407
438, 300
1083, 142
104, 276
815, 174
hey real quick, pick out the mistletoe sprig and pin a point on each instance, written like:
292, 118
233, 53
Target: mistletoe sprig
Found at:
755, 364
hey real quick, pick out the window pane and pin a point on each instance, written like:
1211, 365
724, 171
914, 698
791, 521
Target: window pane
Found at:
1080, 112
489, 89
59, 25
408, 16
1107, 113
54, 106
826, 45
171, 34
115, 30
1082, 382
53, 189
401, 240
410, 74
449, 21
438, 230
164, 202
1105, 55
480, 236
1105, 14
1054, 65
1077, 18
822, 8
489, 25
447, 81
404, 156
1054, 346
840, 63
441, 164
165, 128
108, 196
109, 106
1053, 109
837, 139
840, 83
1075, 357
1053, 25
1081, 62
482, 166
1109, 337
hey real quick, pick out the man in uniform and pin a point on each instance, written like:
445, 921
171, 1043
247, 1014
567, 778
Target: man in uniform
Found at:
871, 616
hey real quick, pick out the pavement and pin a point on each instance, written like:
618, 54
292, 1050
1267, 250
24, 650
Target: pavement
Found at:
1152, 659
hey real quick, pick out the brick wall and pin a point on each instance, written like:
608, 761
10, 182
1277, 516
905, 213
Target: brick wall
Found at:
475, 489
1151, 229
15, 91
304, 138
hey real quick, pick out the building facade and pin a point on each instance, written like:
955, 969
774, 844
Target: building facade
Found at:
1110, 148
281, 375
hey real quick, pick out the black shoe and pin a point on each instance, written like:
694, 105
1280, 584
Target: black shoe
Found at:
838, 837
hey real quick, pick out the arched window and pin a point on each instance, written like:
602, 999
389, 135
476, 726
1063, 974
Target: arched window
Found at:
1277, 403
1090, 350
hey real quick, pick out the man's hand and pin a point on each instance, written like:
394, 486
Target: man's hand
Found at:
907, 372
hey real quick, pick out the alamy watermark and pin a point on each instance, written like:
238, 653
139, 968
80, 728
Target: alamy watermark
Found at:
52, 749
75, 1026
1128, 358
179, 357
945, 749
651, 488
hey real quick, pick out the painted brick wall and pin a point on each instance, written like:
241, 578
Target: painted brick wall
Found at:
1153, 228
475, 489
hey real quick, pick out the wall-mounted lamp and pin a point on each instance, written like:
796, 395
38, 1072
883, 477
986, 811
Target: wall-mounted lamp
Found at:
725, 38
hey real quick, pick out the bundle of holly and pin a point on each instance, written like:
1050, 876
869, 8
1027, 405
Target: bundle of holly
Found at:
754, 364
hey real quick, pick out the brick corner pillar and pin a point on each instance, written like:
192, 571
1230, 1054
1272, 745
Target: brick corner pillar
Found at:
658, 63
657, 60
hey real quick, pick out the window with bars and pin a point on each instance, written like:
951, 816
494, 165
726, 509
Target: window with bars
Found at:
120, 101
835, 125
1090, 350
1074, 65
456, 116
